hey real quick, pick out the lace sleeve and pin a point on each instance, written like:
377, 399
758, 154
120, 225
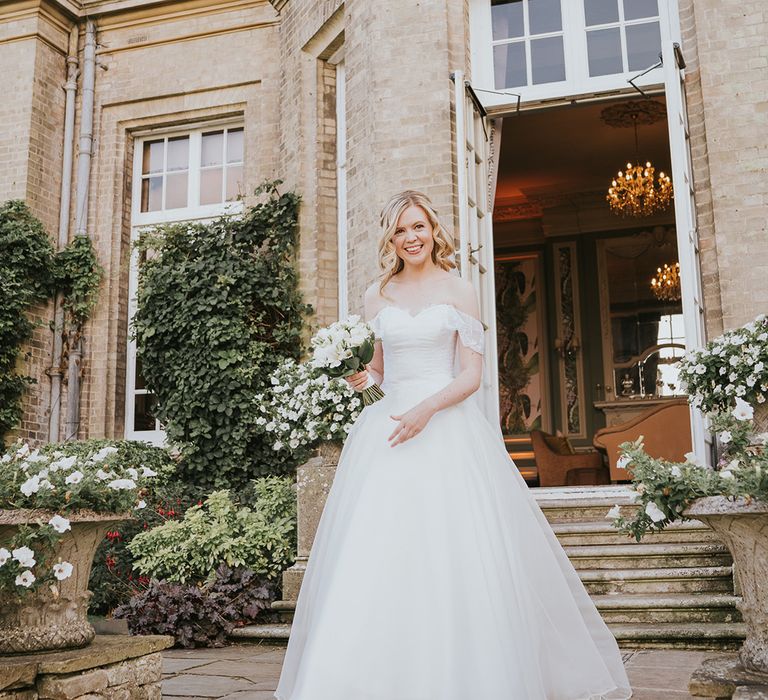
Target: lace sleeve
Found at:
376, 326
471, 331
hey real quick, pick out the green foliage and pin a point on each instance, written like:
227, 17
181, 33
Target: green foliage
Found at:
30, 273
221, 532
26, 265
218, 308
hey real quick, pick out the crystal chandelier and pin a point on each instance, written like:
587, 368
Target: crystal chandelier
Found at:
637, 190
666, 283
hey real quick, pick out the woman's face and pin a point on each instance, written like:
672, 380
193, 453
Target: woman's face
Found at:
413, 236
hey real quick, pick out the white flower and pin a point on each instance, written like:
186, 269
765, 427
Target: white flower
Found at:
726, 474
133, 473
654, 512
743, 410
103, 453
118, 484
62, 570
6, 458
25, 556
101, 475
5, 555
623, 461
23, 451
63, 463
61, 525
37, 457
675, 471
140, 505
691, 458
725, 436
74, 478
733, 464
614, 513
31, 485
700, 369
25, 578
147, 472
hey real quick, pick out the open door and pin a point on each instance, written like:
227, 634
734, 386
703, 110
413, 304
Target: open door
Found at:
476, 227
685, 221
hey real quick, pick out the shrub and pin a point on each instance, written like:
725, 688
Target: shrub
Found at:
198, 615
218, 307
220, 532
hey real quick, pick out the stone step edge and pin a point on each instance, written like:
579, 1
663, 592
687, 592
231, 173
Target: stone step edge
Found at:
687, 573
600, 526
645, 549
622, 631
660, 601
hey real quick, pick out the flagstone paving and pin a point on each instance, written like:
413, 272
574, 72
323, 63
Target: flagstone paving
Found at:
251, 672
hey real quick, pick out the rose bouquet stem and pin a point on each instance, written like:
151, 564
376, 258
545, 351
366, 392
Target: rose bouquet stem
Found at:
372, 394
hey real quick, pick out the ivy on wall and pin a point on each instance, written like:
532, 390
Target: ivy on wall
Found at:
31, 272
218, 308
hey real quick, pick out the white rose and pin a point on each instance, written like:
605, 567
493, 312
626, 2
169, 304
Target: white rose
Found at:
654, 512
62, 570
60, 524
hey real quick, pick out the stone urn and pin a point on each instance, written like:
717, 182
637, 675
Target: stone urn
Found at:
313, 482
44, 619
743, 527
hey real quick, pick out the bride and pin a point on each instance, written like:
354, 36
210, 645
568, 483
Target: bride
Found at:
434, 575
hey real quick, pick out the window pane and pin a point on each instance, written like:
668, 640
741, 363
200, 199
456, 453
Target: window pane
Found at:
152, 161
152, 193
210, 186
604, 52
600, 11
234, 181
544, 16
178, 153
636, 9
235, 146
213, 148
507, 18
175, 190
547, 60
643, 45
140, 383
142, 412
509, 65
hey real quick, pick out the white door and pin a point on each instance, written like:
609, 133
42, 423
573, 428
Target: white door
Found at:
685, 221
476, 226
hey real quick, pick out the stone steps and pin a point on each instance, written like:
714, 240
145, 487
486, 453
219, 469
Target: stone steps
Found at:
692, 579
602, 532
673, 635
634, 608
641, 555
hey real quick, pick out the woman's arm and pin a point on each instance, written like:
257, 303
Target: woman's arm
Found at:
466, 382
375, 368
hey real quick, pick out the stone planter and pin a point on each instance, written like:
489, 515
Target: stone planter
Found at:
743, 527
313, 479
42, 620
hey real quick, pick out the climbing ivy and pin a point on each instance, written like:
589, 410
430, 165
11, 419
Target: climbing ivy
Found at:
218, 307
31, 273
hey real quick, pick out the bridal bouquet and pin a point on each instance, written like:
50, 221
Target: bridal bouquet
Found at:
344, 348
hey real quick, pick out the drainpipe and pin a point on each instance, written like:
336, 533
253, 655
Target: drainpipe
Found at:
85, 146
55, 372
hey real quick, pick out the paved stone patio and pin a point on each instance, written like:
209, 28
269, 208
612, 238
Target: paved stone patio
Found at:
251, 671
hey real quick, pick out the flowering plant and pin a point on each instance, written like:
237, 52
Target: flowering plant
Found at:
58, 484
733, 365
344, 348
663, 489
303, 407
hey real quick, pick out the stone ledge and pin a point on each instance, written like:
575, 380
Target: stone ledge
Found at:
719, 678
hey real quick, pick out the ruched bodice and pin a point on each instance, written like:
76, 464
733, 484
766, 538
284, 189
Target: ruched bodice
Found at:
420, 349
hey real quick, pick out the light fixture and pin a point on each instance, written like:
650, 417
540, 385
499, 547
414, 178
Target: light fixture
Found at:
666, 284
637, 190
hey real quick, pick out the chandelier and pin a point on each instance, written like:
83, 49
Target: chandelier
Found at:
666, 284
637, 190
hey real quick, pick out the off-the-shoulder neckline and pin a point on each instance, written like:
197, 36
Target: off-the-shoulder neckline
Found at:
422, 310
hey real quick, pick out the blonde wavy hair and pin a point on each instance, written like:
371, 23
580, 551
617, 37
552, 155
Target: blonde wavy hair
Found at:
390, 264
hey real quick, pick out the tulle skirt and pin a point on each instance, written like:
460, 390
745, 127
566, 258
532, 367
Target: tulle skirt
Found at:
434, 575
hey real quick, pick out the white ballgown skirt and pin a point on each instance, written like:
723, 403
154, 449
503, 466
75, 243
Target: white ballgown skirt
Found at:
434, 575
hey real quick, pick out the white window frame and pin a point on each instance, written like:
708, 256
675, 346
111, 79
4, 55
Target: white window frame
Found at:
147, 220
577, 82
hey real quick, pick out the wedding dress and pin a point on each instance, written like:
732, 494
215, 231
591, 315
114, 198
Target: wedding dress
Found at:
434, 575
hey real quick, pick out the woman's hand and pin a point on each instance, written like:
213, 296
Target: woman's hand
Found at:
358, 380
411, 423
